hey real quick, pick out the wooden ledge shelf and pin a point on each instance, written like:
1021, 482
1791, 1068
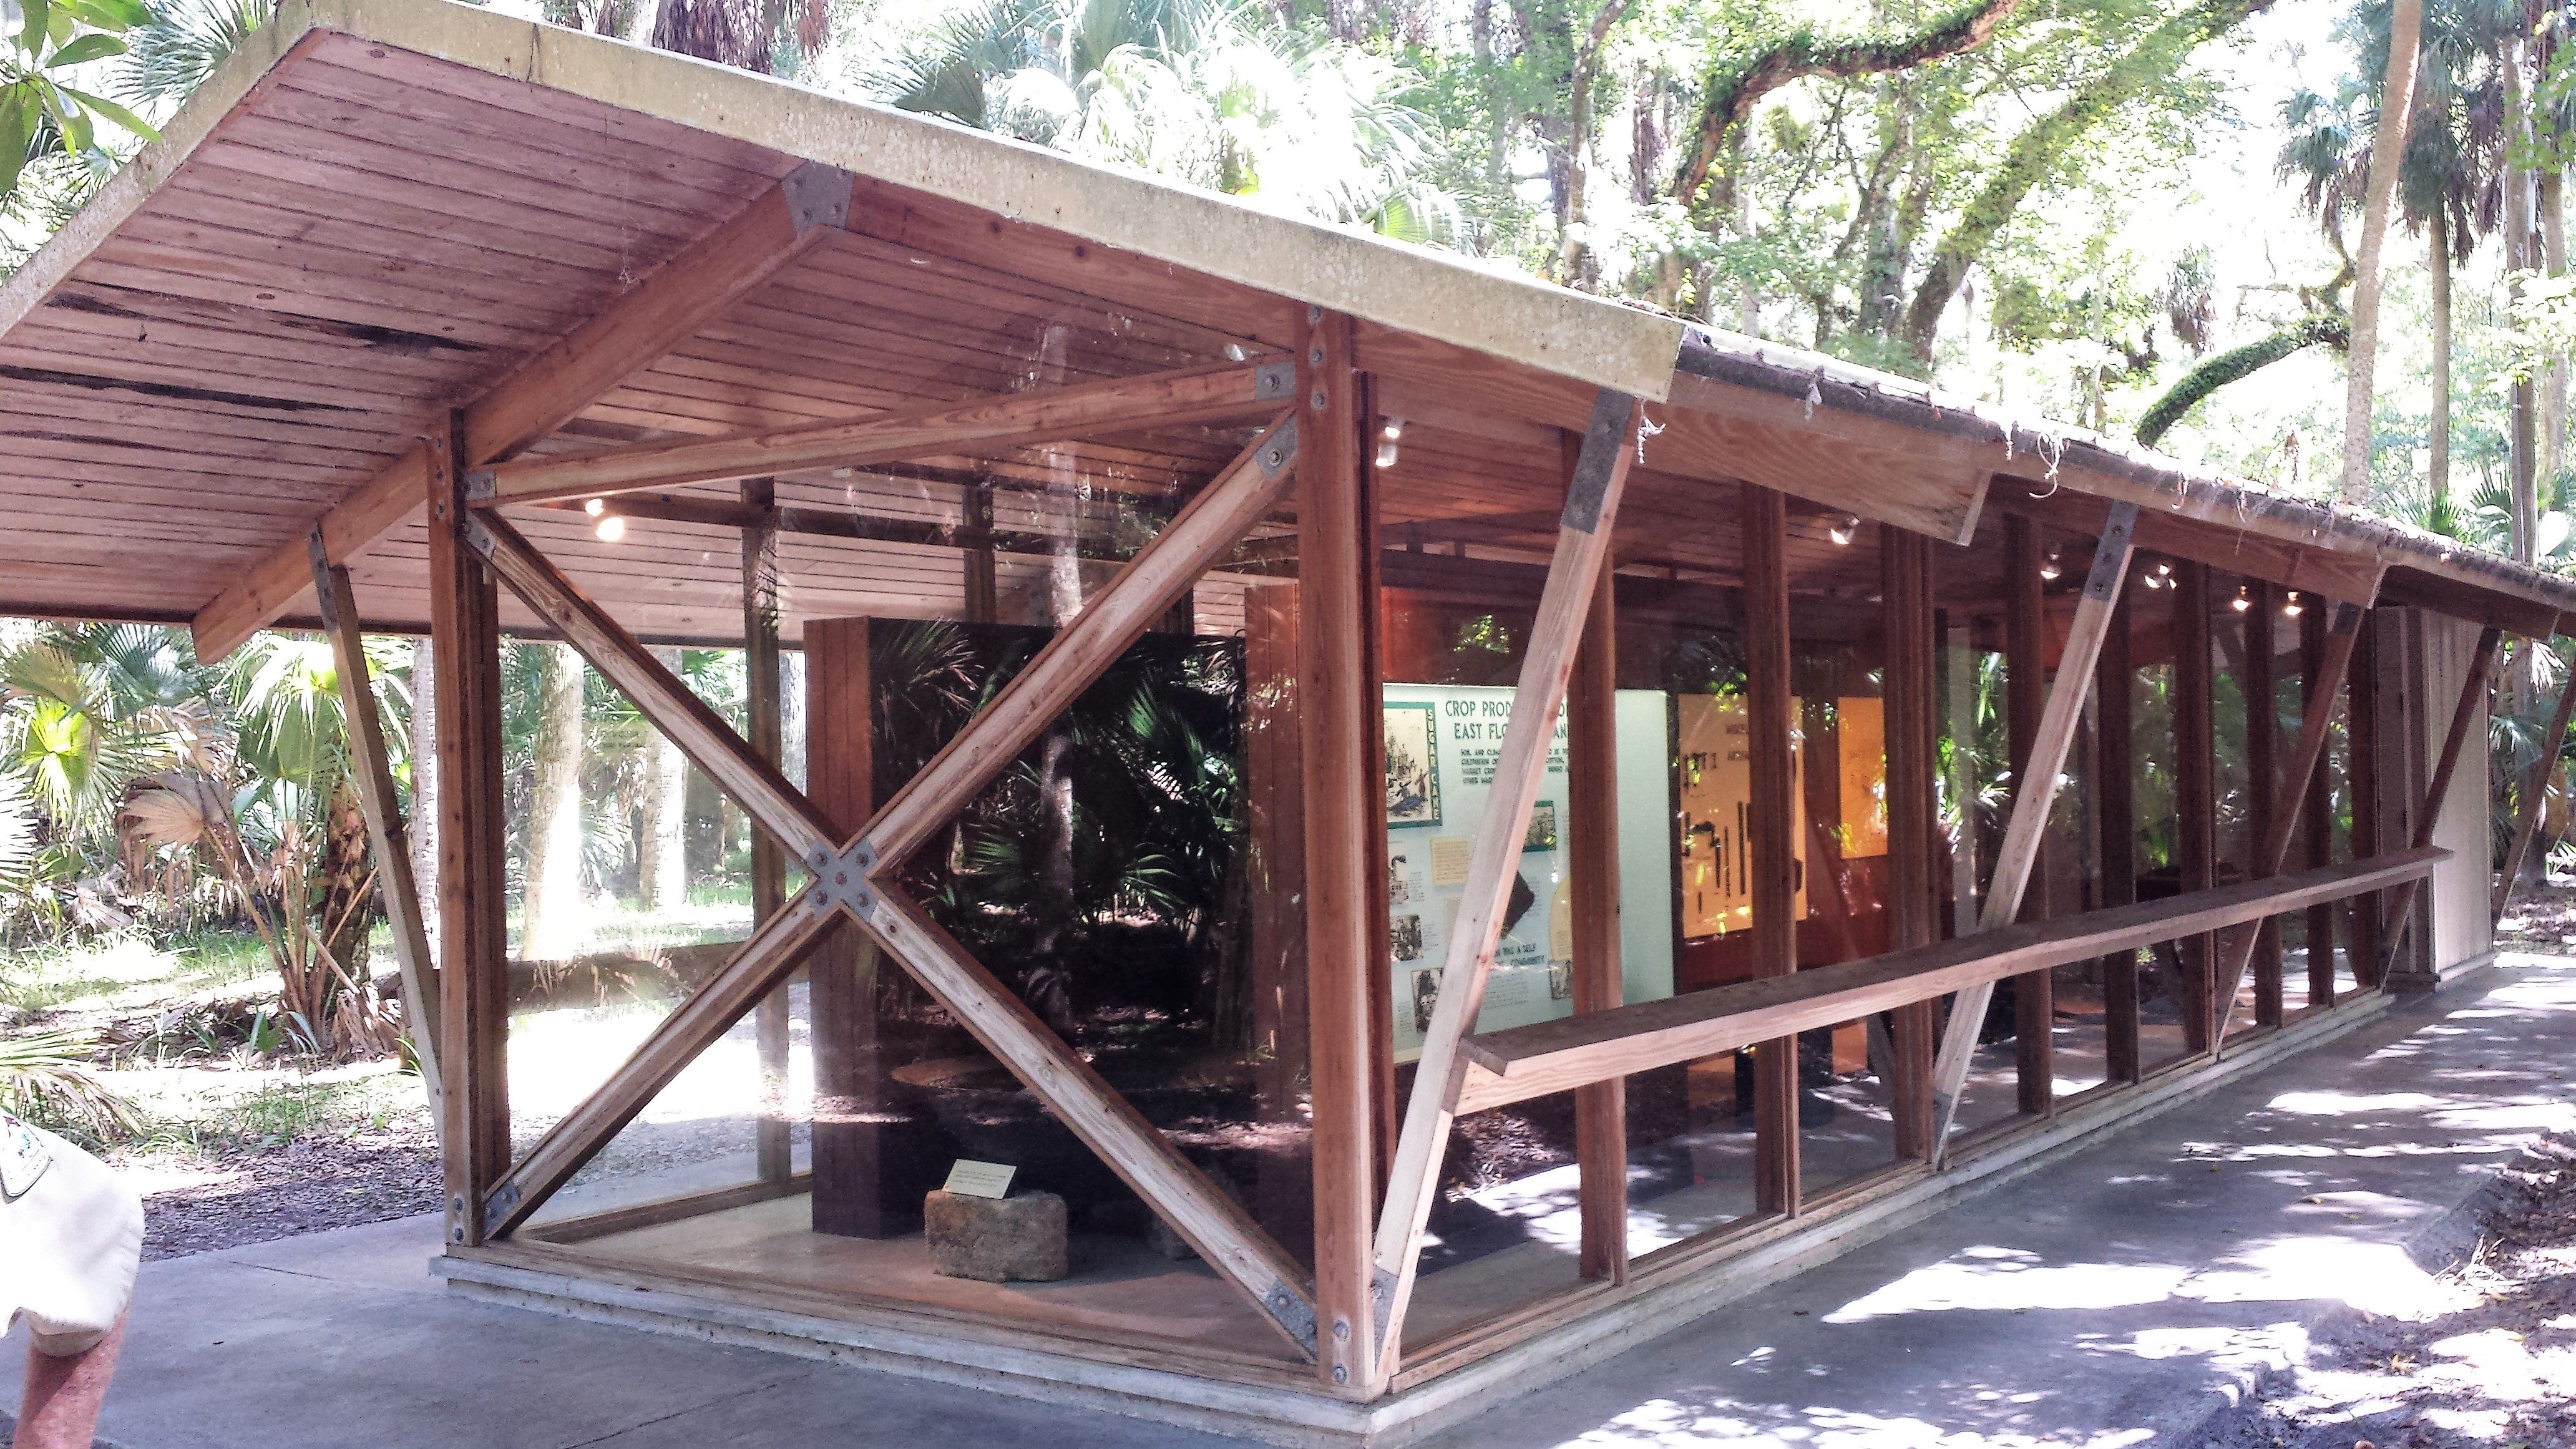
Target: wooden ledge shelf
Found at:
1532, 1061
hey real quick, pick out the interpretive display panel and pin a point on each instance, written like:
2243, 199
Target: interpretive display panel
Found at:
1442, 742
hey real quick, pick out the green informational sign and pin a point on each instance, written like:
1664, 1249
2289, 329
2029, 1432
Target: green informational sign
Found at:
1442, 742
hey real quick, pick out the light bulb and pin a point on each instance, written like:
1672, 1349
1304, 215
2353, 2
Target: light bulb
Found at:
2153, 581
1393, 430
595, 507
1386, 451
2242, 601
2050, 569
2291, 606
1842, 533
611, 529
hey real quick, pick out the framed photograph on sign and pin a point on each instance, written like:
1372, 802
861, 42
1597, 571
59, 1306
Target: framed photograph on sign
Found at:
1412, 764
1542, 827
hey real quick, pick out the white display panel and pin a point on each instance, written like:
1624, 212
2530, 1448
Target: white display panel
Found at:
1442, 743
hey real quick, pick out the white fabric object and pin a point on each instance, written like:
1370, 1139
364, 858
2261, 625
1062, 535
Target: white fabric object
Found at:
71, 1237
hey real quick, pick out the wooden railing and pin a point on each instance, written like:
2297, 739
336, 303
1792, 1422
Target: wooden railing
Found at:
1522, 1062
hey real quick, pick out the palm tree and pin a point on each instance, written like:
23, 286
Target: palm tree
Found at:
1205, 91
2396, 105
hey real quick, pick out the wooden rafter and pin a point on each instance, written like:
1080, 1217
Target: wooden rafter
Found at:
1047, 415
2316, 715
672, 304
2033, 795
1582, 551
1555, 1056
387, 838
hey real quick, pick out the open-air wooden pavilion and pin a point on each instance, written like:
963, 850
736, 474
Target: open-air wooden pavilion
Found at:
1585, 912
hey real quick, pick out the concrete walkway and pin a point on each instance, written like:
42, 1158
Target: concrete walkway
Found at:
2120, 1297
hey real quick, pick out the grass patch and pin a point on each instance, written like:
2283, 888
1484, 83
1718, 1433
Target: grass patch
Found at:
42, 978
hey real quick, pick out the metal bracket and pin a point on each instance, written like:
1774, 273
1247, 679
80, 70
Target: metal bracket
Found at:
1611, 410
1294, 1313
1274, 381
841, 878
817, 195
1280, 451
498, 1207
2111, 555
481, 486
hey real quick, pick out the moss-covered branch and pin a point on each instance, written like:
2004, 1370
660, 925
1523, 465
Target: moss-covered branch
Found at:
2236, 364
1738, 83
2044, 146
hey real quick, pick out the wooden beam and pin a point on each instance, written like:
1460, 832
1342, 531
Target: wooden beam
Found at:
2115, 810
700, 733
387, 838
473, 944
671, 304
1555, 1056
1582, 552
1337, 700
2470, 713
2535, 788
2195, 730
1200, 533
1222, 1233
2031, 804
2317, 805
2311, 568
2025, 697
2302, 787
1772, 769
2363, 765
763, 963
2262, 764
772, 1148
1046, 415
1592, 837
1913, 818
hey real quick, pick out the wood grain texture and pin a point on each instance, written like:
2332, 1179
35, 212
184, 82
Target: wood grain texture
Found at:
2195, 727
2115, 812
2025, 697
2468, 714
1913, 817
772, 1148
2262, 763
1592, 826
1773, 772
1530, 1061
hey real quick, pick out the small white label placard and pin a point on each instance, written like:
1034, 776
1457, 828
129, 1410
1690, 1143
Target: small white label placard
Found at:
980, 1179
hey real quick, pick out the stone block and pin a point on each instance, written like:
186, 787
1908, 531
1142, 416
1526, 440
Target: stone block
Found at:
1019, 1238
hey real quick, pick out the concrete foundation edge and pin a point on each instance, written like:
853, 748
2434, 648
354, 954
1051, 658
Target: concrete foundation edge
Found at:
892, 1342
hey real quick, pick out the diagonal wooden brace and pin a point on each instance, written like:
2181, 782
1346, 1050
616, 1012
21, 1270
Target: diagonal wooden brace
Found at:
700, 733
764, 961
2316, 716
1582, 553
386, 836
2033, 796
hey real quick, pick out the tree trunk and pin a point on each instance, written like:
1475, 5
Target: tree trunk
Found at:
728, 32
2553, 378
550, 924
424, 784
2438, 469
2396, 104
662, 852
2523, 515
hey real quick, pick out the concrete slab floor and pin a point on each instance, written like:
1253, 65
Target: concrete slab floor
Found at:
2118, 1297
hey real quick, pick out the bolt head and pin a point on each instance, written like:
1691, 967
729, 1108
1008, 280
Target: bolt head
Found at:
1341, 1373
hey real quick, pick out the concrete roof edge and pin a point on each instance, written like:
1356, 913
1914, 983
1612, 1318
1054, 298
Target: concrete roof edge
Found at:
1412, 289
2084, 461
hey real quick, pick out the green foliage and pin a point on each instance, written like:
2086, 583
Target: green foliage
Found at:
41, 113
2236, 364
47, 1078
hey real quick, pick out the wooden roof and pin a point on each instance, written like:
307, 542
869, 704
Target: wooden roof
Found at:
382, 210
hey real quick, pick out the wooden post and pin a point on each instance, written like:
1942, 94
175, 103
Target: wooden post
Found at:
2535, 787
773, 1149
1913, 824
2362, 764
1592, 809
2115, 807
2262, 751
2013, 859
1765, 518
474, 967
2026, 694
387, 839
2469, 713
1339, 708
2316, 809
865, 1184
2196, 793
